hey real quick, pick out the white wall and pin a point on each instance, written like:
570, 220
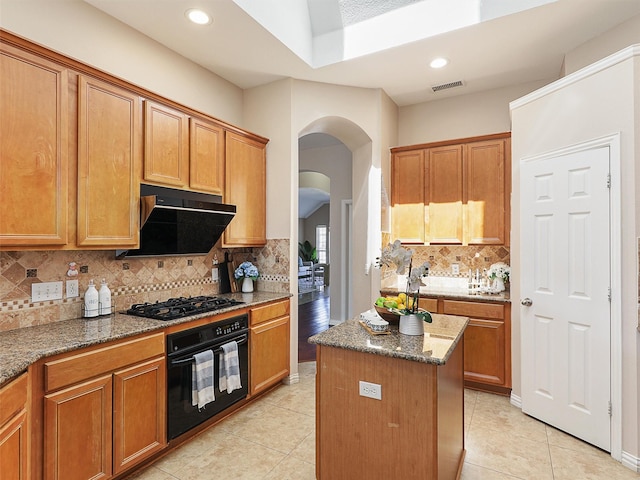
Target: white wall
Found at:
80, 31
625, 34
459, 117
320, 217
570, 112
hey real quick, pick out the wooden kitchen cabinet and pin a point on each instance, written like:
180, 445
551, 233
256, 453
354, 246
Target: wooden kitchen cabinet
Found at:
109, 160
34, 121
269, 345
487, 344
104, 408
407, 197
465, 194
206, 156
245, 187
14, 431
166, 145
444, 195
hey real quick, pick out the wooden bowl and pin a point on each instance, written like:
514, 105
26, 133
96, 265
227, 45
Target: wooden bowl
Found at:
387, 315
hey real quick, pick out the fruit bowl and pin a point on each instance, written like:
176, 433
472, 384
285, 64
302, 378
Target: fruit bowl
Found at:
387, 314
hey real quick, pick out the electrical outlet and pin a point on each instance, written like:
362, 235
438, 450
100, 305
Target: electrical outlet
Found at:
72, 289
41, 292
371, 390
455, 269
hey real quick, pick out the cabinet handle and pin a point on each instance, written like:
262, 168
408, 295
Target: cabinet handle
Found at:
527, 302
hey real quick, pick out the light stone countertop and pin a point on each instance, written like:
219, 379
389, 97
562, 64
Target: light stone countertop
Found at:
453, 294
435, 346
22, 347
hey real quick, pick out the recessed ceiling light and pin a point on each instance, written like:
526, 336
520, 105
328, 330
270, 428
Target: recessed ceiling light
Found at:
438, 62
198, 16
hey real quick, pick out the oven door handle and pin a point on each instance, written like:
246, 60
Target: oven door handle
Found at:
243, 339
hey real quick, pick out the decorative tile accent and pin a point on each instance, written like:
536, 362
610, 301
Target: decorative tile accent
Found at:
135, 280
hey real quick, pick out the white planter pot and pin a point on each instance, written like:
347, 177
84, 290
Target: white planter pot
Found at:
247, 285
411, 325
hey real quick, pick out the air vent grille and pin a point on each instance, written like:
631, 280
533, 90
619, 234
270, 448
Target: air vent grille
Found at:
444, 86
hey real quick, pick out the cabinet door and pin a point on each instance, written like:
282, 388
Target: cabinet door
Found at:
14, 433
487, 194
139, 427
407, 197
77, 431
484, 352
245, 187
109, 156
33, 150
269, 353
206, 157
166, 145
444, 195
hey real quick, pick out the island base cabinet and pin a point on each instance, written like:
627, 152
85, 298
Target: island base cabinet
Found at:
416, 431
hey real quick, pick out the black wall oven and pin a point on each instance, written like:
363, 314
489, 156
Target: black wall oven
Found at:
181, 347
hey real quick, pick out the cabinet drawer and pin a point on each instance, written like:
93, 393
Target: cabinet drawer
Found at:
82, 366
473, 309
13, 398
429, 304
268, 312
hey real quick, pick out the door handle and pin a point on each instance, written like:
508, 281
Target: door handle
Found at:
527, 302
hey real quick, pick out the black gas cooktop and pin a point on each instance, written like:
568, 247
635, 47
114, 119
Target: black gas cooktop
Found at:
181, 307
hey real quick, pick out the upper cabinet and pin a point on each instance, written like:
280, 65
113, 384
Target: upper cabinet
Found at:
245, 187
34, 121
109, 160
452, 193
166, 145
206, 156
77, 143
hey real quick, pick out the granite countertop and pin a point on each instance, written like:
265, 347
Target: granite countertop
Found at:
21, 347
435, 346
453, 294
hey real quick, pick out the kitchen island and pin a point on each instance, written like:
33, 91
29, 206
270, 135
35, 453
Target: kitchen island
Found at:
415, 429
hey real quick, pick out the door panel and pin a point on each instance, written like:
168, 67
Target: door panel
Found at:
565, 272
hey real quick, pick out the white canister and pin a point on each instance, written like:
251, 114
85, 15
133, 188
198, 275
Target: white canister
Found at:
104, 298
91, 300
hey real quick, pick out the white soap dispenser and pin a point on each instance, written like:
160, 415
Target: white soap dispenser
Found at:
104, 298
91, 301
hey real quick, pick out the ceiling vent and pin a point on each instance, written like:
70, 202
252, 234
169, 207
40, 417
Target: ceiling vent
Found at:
445, 86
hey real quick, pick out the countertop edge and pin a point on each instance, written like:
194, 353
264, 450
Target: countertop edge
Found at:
15, 361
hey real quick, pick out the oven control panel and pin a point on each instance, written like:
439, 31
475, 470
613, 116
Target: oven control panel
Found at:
229, 328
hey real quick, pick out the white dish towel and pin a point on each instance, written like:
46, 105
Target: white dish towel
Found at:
229, 372
202, 391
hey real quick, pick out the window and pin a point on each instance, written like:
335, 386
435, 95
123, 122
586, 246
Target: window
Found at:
322, 243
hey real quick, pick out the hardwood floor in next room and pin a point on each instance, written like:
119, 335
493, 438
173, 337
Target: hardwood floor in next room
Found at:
313, 317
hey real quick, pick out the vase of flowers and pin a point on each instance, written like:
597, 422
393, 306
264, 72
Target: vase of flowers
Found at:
246, 273
499, 274
412, 318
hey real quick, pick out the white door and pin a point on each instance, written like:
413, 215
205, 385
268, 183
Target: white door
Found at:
565, 342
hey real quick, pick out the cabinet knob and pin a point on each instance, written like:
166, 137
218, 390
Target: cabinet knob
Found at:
527, 302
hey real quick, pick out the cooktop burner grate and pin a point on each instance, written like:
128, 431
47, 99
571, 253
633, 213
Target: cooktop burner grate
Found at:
180, 307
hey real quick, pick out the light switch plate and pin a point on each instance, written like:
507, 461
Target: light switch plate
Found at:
42, 292
72, 289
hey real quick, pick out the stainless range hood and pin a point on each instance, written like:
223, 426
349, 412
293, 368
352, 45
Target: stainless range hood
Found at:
176, 222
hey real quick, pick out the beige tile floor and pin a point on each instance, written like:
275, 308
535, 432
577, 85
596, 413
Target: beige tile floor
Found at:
273, 439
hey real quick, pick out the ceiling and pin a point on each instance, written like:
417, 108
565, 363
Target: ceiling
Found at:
509, 50
254, 42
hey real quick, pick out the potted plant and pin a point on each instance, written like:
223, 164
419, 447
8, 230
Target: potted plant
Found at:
307, 252
248, 272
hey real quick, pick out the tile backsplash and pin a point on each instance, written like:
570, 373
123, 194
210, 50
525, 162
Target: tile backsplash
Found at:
442, 257
131, 280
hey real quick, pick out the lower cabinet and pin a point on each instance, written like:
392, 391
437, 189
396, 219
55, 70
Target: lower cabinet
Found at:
104, 410
269, 345
487, 344
14, 434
